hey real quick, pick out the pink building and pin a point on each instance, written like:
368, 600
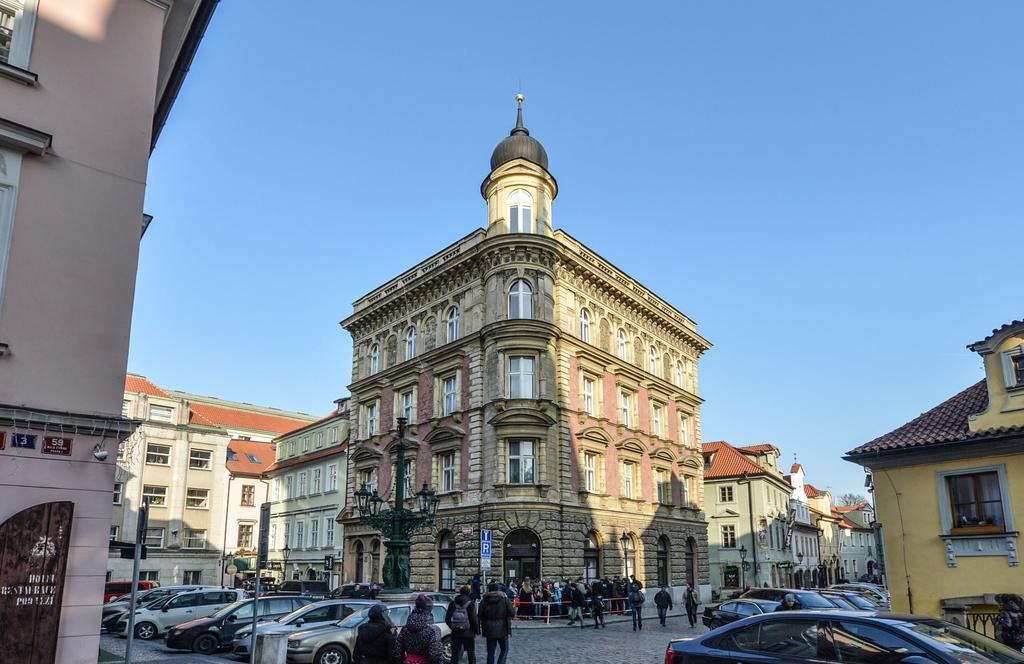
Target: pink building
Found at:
85, 87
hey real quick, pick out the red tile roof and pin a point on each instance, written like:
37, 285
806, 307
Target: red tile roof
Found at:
307, 425
945, 423
811, 491
243, 419
241, 464
850, 508
796, 468
759, 449
305, 458
723, 460
136, 383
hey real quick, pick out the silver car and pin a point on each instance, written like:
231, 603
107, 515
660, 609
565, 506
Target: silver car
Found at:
321, 614
334, 644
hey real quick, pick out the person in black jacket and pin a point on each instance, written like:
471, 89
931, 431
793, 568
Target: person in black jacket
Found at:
495, 616
461, 618
663, 600
375, 638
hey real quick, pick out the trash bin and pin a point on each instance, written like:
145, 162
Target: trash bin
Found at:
271, 648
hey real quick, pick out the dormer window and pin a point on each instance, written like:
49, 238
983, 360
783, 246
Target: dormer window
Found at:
410, 343
520, 300
520, 212
584, 326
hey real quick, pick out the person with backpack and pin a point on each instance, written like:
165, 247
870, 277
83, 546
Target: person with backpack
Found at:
419, 642
375, 638
692, 601
462, 619
597, 608
663, 600
496, 622
636, 604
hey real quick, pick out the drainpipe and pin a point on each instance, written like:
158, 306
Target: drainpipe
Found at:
224, 543
750, 513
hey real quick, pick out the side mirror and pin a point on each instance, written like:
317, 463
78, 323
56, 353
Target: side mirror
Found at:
300, 622
232, 618
165, 609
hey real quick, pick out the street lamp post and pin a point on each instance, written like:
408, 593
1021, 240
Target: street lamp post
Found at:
750, 512
743, 566
285, 552
397, 523
800, 562
624, 541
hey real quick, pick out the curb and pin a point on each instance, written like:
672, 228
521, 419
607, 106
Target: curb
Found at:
560, 622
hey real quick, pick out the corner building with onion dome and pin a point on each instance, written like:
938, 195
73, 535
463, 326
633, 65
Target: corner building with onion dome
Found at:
551, 399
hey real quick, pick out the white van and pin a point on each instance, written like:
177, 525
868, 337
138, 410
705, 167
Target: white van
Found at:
155, 619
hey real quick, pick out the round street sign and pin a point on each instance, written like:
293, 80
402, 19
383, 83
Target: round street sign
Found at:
232, 570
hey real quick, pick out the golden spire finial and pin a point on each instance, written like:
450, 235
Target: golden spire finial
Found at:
520, 98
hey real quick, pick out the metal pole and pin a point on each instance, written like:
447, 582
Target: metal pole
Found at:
224, 545
750, 510
140, 536
255, 607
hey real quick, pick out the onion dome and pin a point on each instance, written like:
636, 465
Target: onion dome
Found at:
519, 145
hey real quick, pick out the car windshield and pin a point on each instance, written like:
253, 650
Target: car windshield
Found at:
355, 619
813, 601
230, 607
298, 613
158, 603
860, 602
963, 644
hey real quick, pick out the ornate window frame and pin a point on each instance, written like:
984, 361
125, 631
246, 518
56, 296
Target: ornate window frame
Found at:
981, 544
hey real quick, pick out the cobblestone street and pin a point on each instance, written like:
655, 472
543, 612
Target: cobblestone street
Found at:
566, 645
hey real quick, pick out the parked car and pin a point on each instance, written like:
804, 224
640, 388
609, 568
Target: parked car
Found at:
333, 644
118, 607
844, 636
153, 620
878, 594
352, 591
320, 614
209, 634
859, 601
808, 599
316, 589
735, 609
115, 589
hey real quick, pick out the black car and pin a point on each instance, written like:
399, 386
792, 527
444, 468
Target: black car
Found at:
736, 609
851, 637
806, 599
317, 589
210, 634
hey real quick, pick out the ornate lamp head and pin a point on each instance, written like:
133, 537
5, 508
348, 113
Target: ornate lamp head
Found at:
375, 503
363, 500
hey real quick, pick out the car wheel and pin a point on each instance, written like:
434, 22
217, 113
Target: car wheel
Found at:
446, 648
332, 655
145, 631
205, 644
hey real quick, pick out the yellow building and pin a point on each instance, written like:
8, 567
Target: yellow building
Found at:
949, 488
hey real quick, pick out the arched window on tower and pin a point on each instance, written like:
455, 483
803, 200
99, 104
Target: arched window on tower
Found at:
410, 343
520, 300
584, 326
374, 358
520, 212
621, 345
453, 324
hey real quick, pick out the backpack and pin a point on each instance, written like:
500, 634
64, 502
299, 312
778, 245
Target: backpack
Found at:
460, 618
636, 598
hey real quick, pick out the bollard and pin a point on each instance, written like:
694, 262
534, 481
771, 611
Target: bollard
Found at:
271, 649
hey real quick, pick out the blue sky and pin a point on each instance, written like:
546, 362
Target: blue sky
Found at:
831, 190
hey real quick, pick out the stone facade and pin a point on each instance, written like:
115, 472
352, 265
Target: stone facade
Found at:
551, 398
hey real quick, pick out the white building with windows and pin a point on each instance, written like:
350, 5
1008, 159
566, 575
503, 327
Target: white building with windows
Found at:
248, 488
551, 399
307, 492
178, 460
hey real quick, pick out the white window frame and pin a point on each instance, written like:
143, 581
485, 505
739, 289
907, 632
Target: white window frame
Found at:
584, 326
328, 532
158, 454
407, 405
191, 538
521, 202
732, 535
374, 358
300, 534
334, 434
522, 371
332, 477
289, 485
318, 439
239, 540
626, 400
629, 476
155, 407
192, 458
114, 532
622, 345
663, 485
652, 354
658, 420
316, 485
372, 410
1008, 356
527, 462
314, 533
410, 342
452, 324
367, 476
684, 429
300, 489
589, 400
305, 443
25, 13
590, 471
150, 535
521, 294
449, 397
680, 374
162, 497
118, 496
202, 498
448, 471
726, 494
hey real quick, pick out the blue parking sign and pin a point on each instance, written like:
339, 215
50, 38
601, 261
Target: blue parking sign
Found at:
485, 543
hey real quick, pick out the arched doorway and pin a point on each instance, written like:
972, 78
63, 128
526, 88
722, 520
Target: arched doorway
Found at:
446, 561
798, 579
359, 561
375, 561
311, 574
591, 558
629, 546
691, 561
663, 557
522, 555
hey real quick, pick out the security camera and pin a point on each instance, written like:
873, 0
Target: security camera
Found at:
99, 453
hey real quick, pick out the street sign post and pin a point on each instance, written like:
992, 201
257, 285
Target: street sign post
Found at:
263, 548
141, 526
485, 551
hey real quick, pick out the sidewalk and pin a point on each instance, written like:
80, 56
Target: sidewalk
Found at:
650, 614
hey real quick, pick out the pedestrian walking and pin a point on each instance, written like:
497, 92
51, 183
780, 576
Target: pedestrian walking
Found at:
692, 601
636, 604
576, 603
375, 638
419, 642
495, 616
663, 600
461, 618
475, 585
597, 609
